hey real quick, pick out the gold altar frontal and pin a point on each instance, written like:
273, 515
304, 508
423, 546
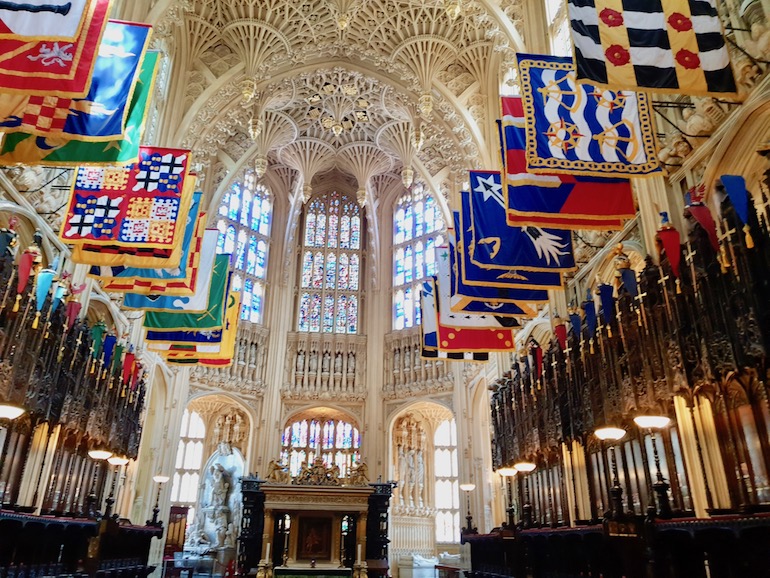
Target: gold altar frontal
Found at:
315, 516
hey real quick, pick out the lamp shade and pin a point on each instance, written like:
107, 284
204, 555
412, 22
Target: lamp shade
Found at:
467, 487
507, 472
160, 479
652, 421
524, 467
610, 433
117, 461
99, 454
10, 411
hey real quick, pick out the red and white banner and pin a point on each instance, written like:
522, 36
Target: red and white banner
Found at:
38, 59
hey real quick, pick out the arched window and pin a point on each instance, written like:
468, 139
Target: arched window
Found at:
244, 221
418, 228
325, 434
189, 457
447, 488
330, 275
558, 27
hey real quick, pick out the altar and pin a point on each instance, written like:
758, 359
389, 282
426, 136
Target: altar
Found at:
281, 572
314, 524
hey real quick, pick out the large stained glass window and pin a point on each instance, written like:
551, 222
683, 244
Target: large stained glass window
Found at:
244, 221
323, 434
447, 488
330, 275
418, 228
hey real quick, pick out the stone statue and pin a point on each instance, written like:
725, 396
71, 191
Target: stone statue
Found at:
408, 477
326, 362
419, 478
220, 527
230, 536
313, 361
351, 362
338, 363
219, 486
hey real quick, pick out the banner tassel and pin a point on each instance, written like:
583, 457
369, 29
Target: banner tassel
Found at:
749, 239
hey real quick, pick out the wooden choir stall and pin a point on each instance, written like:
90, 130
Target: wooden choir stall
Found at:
316, 523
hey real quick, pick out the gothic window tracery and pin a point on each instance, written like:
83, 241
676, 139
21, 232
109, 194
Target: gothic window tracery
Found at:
418, 228
330, 288
558, 28
447, 482
244, 219
330, 437
189, 457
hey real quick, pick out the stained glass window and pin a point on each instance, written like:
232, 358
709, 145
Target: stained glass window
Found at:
330, 265
334, 439
418, 228
447, 482
243, 223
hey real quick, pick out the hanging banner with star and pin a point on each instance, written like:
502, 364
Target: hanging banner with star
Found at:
99, 116
140, 205
661, 46
22, 148
581, 129
49, 46
473, 276
496, 245
556, 200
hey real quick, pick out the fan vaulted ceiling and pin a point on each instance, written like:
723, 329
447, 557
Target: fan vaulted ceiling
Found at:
363, 87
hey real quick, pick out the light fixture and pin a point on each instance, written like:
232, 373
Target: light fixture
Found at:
10, 411
255, 127
610, 433
660, 487
407, 176
468, 488
116, 461
526, 509
160, 480
99, 454
417, 138
652, 421
613, 434
507, 472
260, 167
342, 21
425, 105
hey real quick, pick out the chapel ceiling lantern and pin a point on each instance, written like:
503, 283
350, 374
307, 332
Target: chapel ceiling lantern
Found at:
344, 11
338, 107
